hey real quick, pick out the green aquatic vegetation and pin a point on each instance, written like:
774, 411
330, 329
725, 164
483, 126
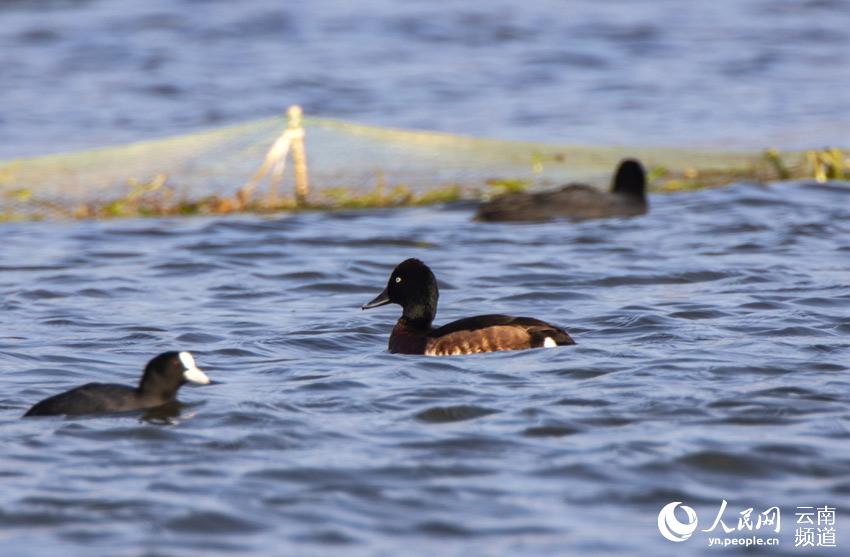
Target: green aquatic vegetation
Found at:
175, 175
398, 196
158, 196
775, 160
438, 195
507, 185
822, 165
828, 164
692, 179
351, 198
539, 160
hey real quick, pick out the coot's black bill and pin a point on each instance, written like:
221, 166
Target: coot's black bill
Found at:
381, 300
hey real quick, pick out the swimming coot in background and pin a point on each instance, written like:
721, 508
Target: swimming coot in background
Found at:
163, 376
576, 201
412, 286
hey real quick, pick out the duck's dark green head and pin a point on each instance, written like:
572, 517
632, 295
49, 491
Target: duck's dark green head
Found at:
413, 286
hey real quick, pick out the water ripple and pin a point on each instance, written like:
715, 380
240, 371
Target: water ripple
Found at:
706, 370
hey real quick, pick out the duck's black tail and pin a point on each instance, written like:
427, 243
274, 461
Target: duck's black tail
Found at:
630, 179
550, 336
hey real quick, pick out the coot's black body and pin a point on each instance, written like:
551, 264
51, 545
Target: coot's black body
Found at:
413, 286
162, 377
627, 198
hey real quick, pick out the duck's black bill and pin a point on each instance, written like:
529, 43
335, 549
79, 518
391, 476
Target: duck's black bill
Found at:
381, 300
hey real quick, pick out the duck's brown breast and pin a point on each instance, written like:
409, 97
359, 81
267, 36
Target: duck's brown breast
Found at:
404, 340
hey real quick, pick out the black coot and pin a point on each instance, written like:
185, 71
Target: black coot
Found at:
576, 201
163, 376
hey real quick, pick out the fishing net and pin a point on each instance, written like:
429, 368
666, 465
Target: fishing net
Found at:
348, 164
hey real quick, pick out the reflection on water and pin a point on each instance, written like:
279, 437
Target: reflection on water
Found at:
711, 364
171, 413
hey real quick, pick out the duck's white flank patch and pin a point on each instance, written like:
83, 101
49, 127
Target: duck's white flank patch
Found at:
191, 372
549, 342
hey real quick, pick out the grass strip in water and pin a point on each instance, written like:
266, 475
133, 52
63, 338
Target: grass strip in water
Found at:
158, 197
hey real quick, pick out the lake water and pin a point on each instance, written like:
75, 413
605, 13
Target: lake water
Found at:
712, 354
712, 364
724, 73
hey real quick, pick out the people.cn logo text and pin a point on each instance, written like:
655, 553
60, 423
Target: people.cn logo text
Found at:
671, 527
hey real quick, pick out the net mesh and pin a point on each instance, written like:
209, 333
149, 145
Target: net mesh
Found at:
345, 160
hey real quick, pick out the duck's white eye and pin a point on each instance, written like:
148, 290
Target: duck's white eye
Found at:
397, 280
